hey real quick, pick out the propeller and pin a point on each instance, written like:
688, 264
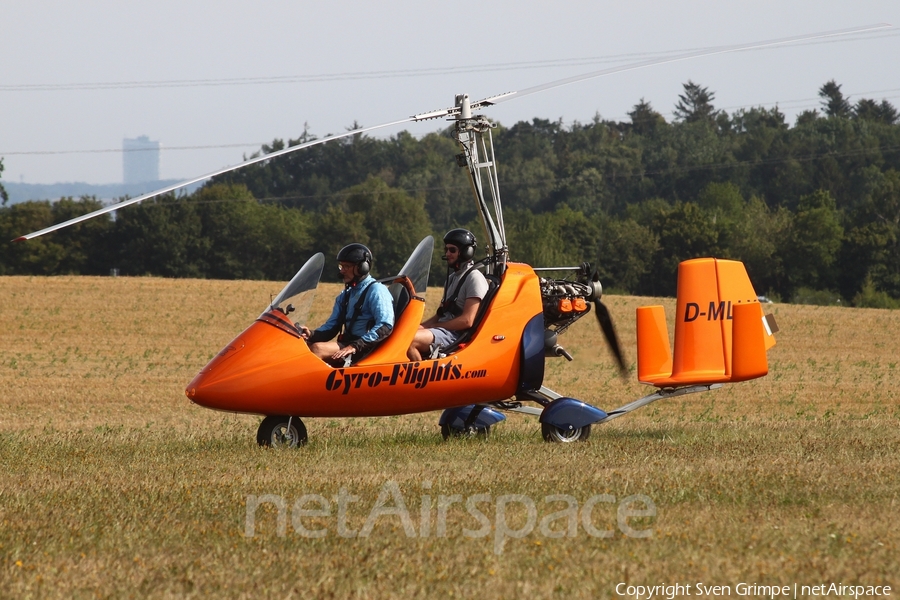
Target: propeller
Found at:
606, 325
463, 109
159, 192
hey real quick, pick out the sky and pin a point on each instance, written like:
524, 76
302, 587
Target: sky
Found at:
212, 80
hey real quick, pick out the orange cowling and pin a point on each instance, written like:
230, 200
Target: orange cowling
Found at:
719, 334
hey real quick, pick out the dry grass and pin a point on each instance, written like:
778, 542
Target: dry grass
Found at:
114, 485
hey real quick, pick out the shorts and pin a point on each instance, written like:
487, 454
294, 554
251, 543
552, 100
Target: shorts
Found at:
444, 337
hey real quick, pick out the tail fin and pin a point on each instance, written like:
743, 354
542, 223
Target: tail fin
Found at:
720, 335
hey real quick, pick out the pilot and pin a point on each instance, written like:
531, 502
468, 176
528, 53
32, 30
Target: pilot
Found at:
363, 314
464, 290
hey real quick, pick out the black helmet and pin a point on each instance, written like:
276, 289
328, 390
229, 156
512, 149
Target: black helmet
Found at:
464, 240
359, 255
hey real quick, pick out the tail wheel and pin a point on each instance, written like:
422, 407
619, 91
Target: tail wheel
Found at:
281, 431
552, 433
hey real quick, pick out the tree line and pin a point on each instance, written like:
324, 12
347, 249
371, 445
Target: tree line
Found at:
812, 208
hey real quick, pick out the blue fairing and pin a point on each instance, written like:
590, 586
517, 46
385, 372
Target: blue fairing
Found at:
531, 376
456, 417
569, 413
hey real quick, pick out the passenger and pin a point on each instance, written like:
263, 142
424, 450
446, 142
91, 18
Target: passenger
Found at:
363, 314
464, 290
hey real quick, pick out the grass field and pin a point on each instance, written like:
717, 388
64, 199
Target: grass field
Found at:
113, 485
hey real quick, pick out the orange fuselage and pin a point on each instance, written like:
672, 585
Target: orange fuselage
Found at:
268, 370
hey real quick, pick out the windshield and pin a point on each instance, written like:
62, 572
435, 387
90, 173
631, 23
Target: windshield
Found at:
297, 296
418, 265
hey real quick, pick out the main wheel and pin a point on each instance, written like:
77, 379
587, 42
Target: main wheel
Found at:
274, 431
552, 433
447, 432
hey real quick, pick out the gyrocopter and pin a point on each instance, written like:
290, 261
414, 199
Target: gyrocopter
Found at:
721, 334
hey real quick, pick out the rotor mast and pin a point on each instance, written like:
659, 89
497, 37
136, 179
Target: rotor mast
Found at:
473, 134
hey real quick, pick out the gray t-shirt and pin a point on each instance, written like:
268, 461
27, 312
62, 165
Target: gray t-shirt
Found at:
474, 286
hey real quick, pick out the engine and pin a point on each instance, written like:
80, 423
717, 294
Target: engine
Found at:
565, 301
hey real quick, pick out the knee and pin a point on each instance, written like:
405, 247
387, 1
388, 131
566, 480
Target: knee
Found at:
422, 339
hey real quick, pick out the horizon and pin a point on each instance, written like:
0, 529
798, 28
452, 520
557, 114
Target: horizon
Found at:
71, 100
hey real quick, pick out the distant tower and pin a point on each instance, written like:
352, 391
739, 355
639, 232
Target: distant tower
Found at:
140, 160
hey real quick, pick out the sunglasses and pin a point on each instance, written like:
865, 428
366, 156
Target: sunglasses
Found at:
450, 249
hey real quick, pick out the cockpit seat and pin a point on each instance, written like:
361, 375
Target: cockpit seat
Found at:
493, 285
401, 299
408, 311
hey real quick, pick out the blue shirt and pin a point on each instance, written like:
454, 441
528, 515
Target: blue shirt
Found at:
378, 307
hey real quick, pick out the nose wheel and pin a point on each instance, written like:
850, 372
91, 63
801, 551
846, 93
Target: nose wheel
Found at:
281, 431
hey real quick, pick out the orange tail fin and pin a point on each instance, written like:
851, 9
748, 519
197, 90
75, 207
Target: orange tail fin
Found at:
719, 331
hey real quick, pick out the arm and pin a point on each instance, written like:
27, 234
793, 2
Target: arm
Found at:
430, 322
330, 328
463, 321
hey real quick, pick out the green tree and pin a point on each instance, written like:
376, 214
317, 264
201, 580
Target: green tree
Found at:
753, 237
4, 197
595, 168
394, 221
694, 154
534, 239
810, 247
87, 243
760, 144
564, 237
626, 252
722, 201
833, 100
695, 104
807, 117
870, 297
585, 191
871, 246
644, 120
80, 248
528, 163
332, 230
870, 110
247, 239
40, 256
161, 236
684, 232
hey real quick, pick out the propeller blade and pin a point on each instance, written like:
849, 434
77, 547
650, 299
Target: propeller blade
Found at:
130, 201
680, 57
455, 111
492, 100
609, 332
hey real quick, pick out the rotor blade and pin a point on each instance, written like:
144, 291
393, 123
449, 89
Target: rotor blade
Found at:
609, 332
660, 61
129, 202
